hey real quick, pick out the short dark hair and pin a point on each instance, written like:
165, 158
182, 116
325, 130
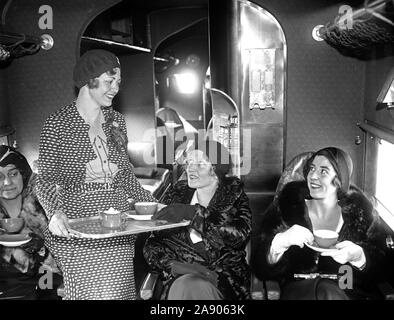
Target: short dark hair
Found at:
94, 83
342, 164
9, 155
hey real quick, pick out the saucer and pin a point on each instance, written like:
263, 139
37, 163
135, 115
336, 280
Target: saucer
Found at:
14, 240
316, 247
140, 216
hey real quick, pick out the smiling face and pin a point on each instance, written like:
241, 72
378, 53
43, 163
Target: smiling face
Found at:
106, 89
11, 182
320, 179
199, 170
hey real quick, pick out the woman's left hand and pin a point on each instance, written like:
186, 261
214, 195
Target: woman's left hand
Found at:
347, 252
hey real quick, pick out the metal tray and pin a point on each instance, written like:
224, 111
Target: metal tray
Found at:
91, 227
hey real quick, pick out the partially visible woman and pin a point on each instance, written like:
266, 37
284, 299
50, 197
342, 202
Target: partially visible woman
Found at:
19, 266
207, 259
83, 168
325, 200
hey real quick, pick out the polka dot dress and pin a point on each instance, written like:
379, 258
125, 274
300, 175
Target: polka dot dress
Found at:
92, 268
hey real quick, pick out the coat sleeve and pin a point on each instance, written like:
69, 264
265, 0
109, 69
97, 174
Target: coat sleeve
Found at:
48, 168
227, 227
270, 225
133, 187
158, 255
261, 244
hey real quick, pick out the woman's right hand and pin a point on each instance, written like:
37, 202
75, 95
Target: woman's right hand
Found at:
296, 236
58, 225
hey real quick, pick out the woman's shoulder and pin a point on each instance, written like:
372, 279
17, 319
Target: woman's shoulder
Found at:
60, 115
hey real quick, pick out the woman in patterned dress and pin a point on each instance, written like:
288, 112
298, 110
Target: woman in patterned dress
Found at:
84, 168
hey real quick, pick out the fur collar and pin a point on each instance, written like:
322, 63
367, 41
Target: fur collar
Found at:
357, 210
228, 191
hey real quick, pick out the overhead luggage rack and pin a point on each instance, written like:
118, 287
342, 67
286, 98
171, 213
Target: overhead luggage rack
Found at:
365, 33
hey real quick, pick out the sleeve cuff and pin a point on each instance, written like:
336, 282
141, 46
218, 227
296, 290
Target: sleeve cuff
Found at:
361, 262
276, 250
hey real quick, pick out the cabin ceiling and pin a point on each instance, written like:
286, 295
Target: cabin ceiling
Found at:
152, 5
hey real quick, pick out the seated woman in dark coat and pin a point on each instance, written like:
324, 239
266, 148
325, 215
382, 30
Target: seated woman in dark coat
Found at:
207, 259
323, 201
20, 265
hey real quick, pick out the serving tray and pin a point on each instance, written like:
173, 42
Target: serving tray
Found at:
91, 227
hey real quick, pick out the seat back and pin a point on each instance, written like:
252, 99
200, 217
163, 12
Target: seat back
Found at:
171, 134
269, 289
293, 171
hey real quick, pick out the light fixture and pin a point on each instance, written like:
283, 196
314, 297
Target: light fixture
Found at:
6, 136
46, 42
186, 82
193, 60
14, 45
316, 32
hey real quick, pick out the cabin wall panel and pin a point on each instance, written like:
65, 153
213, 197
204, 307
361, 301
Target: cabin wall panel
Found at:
39, 84
325, 90
136, 98
3, 100
180, 18
377, 72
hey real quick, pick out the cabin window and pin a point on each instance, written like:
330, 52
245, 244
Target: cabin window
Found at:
385, 180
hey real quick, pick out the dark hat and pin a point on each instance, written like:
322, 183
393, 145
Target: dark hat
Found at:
9, 155
92, 64
341, 162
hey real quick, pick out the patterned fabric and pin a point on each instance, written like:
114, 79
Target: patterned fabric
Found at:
92, 268
100, 169
225, 227
29, 257
359, 226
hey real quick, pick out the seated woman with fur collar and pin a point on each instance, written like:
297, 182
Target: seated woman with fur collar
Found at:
284, 248
22, 264
207, 259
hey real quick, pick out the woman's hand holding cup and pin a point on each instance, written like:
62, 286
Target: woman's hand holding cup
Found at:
296, 236
58, 224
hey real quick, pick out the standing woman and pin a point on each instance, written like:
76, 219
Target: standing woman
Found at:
84, 168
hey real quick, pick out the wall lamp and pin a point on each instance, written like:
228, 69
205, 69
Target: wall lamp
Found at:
17, 45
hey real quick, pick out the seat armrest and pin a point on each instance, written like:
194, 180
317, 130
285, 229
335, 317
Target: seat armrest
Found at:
60, 290
387, 290
149, 286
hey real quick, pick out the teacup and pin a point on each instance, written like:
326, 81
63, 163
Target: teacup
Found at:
12, 225
325, 238
111, 218
145, 208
